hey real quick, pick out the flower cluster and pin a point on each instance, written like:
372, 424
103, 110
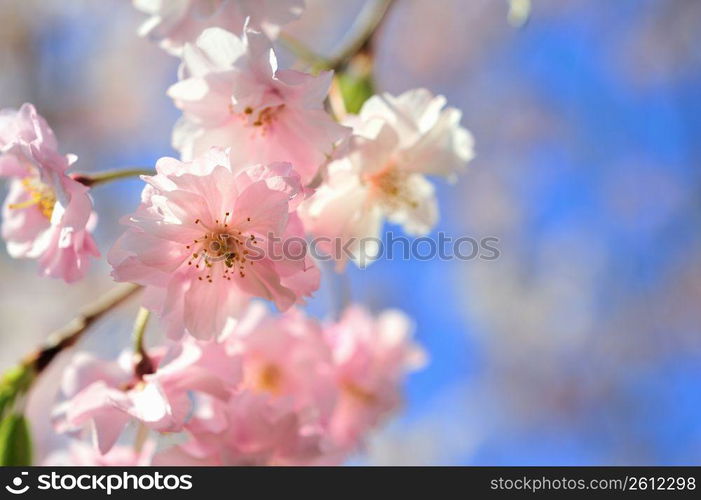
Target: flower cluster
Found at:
270, 390
263, 165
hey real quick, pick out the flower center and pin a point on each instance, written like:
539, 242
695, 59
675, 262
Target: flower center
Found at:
221, 251
263, 118
267, 116
391, 186
269, 378
40, 194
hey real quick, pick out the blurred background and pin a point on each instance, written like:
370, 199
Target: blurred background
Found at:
581, 344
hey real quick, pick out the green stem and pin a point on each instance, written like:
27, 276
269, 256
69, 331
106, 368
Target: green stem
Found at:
142, 363
141, 437
91, 180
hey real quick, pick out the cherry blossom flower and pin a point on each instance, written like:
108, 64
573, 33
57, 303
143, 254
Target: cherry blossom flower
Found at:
47, 215
174, 23
371, 356
233, 95
396, 142
310, 392
207, 238
288, 394
107, 396
284, 356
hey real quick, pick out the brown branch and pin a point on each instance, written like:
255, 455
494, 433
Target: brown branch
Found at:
95, 178
67, 336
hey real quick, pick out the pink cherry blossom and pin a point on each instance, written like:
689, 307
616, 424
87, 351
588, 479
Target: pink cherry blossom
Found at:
396, 142
288, 394
106, 396
371, 356
47, 215
272, 390
207, 238
310, 394
176, 22
233, 95
285, 356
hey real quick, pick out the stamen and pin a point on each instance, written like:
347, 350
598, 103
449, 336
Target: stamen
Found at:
266, 117
40, 195
25, 204
392, 188
221, 245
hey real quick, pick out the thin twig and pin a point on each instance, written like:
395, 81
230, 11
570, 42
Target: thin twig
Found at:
366, 25
67, 336
91, 180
